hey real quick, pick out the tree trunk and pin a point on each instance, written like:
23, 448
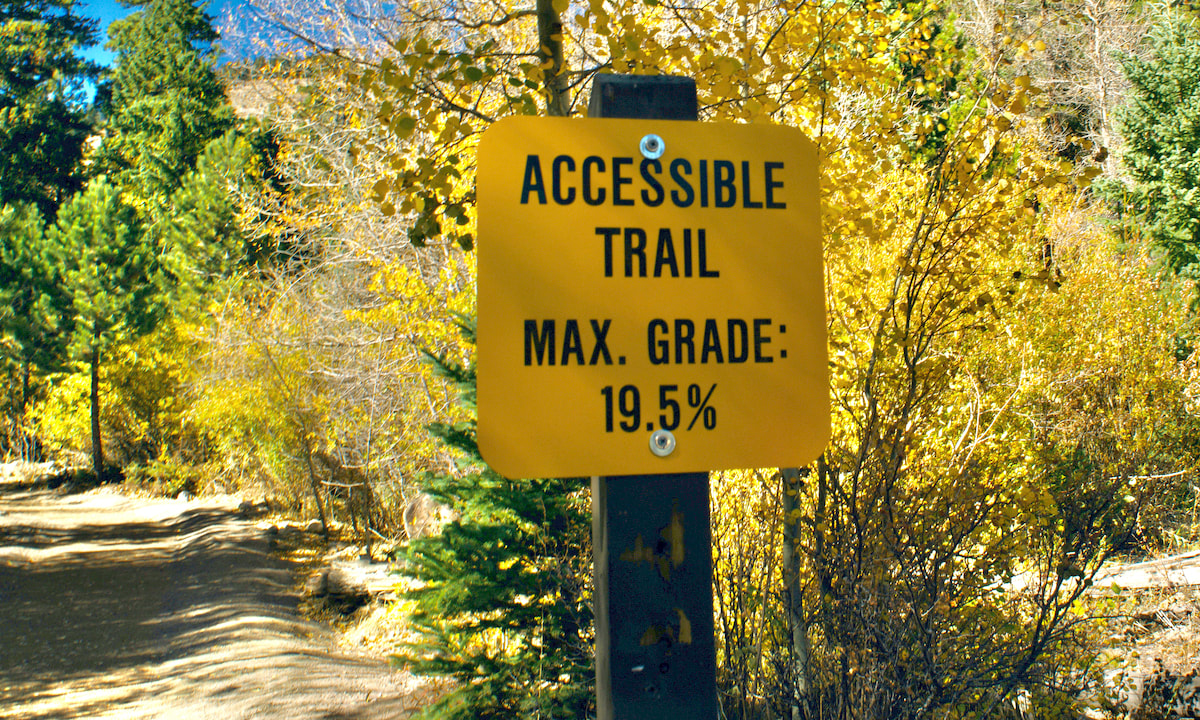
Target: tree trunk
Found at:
24, 439
794, 594
315, 485
367, 499
97, 447
550, 56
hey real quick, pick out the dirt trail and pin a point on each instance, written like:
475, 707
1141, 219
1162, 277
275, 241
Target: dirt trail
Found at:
117, 607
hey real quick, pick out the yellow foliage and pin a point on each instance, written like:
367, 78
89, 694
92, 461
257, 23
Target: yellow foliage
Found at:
990, 350
143, 399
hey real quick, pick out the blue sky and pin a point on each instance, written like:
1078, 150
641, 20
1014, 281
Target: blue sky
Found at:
108, 10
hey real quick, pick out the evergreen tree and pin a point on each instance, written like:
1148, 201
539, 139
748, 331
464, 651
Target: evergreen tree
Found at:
503, 593
43, 108
107, 271
1161, 124
166, 102
32, 311
201, 240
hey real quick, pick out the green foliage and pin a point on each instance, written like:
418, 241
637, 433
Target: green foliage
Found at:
158, 234
1162, 130
993, 402
502, 599
32, 319
43, 120
31, 304
165, 476
108, 273
201, 239
167, 102
106, 268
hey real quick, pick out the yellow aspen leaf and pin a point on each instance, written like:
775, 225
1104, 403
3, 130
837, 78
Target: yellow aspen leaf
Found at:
404, 126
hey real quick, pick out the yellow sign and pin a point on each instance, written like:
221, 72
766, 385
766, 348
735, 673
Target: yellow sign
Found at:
651, 298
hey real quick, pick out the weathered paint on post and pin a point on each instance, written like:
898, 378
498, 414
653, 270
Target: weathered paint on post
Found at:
655, 652
655, 647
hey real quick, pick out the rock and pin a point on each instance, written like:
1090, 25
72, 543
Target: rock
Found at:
425, 516
184, 495
1164, 694
342, 590
283, 536
314, 526
249, 508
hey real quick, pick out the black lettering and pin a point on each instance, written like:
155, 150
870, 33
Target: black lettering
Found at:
712, 343
588, 163
665, 256
723, 188
601, 347
541, 342
738, 333
746, 201
635, 245
685, 331
703, 250
760, 339
533, 182
772, 184
572, 343
556, 173
687, 252
703, 183
657, 198
608, 234
658, 350
679, 168
620, 180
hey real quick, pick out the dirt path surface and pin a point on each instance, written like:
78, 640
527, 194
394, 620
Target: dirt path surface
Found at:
118, 607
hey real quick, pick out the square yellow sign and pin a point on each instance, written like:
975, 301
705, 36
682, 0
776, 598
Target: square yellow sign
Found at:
651, 298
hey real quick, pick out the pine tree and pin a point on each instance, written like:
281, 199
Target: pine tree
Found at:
43, 108
201, 240
32, 314
166, 103
502, 598
1161, 124
107, 271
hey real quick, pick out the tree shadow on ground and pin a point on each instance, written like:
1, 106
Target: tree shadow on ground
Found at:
184, 613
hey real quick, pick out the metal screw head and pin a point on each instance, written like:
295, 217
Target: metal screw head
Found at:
652, 147
662, 442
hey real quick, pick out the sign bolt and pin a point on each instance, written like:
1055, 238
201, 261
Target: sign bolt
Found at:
653, 147
662, 442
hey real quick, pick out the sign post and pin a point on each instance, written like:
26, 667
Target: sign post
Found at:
651, 536
651, 308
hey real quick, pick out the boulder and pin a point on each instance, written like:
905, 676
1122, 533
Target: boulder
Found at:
342, 590
347, 585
